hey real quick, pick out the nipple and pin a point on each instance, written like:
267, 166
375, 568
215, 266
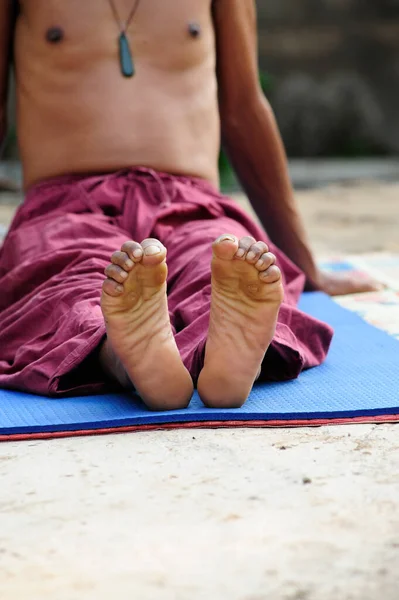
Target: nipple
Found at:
54, 35
194, 29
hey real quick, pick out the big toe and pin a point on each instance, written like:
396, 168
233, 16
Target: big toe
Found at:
154, 252
225, 247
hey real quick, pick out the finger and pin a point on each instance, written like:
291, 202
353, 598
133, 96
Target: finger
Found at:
370, 285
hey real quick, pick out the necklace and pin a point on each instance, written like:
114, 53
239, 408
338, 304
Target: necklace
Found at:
125, 54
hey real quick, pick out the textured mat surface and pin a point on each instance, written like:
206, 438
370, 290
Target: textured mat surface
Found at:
359, 379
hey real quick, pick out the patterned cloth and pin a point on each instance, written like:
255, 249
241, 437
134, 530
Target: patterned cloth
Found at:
380, 309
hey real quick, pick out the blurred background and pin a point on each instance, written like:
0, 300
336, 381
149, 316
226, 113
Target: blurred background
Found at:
334, 67
330, 69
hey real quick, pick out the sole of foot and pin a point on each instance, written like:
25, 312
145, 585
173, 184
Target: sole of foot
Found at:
140, 346
247, 292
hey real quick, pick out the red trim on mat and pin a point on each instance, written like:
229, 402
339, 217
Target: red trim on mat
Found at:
15, 437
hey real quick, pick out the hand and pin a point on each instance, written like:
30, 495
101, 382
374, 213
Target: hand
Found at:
341, 283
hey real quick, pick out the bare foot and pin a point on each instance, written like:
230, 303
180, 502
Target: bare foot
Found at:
246, 295
139, 335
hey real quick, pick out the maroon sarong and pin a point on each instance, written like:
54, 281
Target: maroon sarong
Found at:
52, 264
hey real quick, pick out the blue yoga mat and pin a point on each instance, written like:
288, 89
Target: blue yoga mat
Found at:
359, 378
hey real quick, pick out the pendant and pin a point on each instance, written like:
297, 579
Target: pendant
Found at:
125, 56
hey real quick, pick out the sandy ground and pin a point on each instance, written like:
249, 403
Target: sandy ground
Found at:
354, 218
307, 514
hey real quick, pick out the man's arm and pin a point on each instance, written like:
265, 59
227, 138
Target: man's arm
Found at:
252, 140
6, 27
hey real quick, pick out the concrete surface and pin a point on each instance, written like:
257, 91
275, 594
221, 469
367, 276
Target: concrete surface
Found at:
310, 173
307, 514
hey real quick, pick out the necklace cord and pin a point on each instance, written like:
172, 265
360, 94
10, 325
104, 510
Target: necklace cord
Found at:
123, 26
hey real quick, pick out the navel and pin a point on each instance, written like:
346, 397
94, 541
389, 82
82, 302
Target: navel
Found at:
54, 35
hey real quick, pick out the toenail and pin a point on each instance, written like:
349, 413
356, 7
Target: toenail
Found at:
225, 238
129, 263
251, 255
124, 274
119, 288
259, 263
152, 250
137, 253
240, 252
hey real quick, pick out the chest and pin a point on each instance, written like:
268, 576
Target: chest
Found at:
148, 21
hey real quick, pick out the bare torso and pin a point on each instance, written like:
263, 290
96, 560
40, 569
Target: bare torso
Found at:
78, 114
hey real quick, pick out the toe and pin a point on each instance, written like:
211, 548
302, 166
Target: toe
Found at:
256, 251
271, 275
112, 288
122, 260
243, 246
265, 261
154, 251
225, 246
133, 250
117, 273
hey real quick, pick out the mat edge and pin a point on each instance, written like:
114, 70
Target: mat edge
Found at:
16, 437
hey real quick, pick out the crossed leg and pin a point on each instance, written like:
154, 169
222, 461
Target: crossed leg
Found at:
140, 348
